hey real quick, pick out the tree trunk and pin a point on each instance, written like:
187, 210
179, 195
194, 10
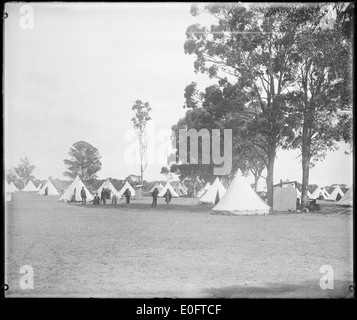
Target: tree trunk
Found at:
256, 179
194, 187
270, 176
306, 157
141, 174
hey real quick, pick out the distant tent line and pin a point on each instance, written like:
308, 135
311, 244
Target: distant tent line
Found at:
235, 202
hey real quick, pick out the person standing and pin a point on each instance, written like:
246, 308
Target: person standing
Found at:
103, 196
96, 199
154, 194
168, 196
127, 194
83, 196
114, 199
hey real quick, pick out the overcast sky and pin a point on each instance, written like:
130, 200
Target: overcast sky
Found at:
77, 73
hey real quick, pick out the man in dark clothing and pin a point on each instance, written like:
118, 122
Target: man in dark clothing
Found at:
127, 194
83, 196
154, 194
103, 196
297, 204
168, 196
114, 199
314, 205
96, 199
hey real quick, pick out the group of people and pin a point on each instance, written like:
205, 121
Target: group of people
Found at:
106, 192
155, 195
105, 195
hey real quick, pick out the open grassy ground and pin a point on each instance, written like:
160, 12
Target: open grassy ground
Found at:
178, 251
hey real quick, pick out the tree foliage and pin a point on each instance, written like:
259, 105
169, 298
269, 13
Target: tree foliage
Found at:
24, 170
11, 175
320, 102
219, 106
250, 50
271, 58
85, 161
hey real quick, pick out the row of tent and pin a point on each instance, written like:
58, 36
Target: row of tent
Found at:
240, 198
76, 186
48, 189
74, 189
179, 189
73, 192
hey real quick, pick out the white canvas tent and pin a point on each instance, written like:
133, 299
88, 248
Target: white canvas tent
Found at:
347, 199
159, 187
8, 193
320, 192
48, 189
74, 190
291, 185
11, 187
168, 186
216, 190
178, 189
241, 199
107, 184
126, 186
203, 190
30, 187
336, 194
285, 198
183, 189
299, 194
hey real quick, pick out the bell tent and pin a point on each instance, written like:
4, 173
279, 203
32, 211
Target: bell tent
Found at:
126, 186
159, 187
203, 190
73, 192
320, 193
240, 199
347, 199
168, 186
48, 189
11, 187
214, 194
182, 188
30, 187
336, 195
107, 184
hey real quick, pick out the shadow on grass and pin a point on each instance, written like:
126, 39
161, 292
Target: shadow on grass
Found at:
307, 289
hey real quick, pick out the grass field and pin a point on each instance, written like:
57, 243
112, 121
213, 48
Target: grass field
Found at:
178, 251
